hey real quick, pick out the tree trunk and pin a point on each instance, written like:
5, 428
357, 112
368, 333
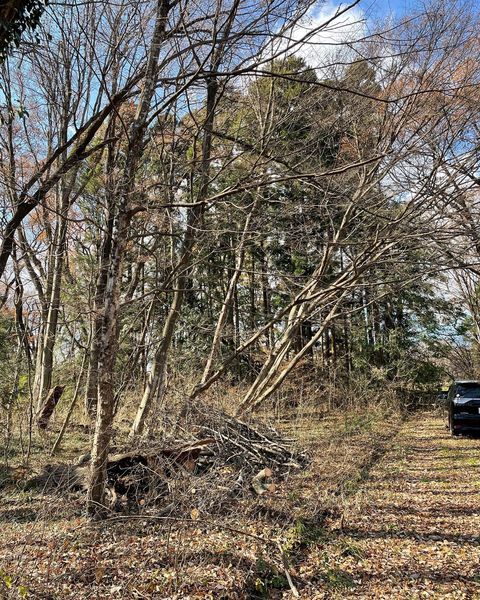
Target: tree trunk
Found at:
110, 326
51, 401
156, 378
59, 250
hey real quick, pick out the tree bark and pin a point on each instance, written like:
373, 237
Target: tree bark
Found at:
228, 297
110, 328
51, 401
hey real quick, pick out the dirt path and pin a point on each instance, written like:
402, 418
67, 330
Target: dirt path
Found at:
413, 528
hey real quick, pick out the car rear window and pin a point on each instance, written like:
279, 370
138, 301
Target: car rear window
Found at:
468, 390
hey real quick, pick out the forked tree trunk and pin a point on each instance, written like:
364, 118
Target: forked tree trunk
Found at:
54, 304
91, 387
156, 379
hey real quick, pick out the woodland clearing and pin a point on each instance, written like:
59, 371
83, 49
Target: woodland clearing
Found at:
239, 268
386, 509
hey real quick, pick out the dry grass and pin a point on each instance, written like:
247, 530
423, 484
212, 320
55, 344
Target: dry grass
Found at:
235, 548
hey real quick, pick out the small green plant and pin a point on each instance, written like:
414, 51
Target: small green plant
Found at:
267, 578
338, 580
302, 534
10, 584
334, 578
350, 486
349, 548
293, 495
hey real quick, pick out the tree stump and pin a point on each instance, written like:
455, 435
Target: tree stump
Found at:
49, 405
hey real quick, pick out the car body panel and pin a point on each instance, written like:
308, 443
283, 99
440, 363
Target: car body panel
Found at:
464, 407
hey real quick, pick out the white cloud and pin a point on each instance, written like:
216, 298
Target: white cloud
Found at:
325, 31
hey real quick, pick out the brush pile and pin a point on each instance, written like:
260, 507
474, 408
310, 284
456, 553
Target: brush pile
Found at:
222, 459
247, 448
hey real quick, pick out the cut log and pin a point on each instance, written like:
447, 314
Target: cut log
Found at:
260, 483
181, 456
49, 405
127, 473
135, 474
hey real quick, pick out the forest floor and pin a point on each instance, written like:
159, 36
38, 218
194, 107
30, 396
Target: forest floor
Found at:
387, 509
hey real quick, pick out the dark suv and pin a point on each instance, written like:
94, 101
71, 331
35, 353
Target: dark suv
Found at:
464, 407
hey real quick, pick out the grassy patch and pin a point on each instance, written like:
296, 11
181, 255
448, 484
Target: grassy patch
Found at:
302, 534
358, 423
336, 579
347, 547
265, 579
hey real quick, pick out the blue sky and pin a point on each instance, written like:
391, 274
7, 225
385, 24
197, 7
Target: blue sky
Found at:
350, 25
353, 24
385, 7
399, 7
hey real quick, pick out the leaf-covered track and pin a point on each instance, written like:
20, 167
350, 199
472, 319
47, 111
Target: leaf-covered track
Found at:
413, 529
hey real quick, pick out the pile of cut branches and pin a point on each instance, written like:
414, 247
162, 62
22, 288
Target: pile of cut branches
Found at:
246, 447
223, 458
